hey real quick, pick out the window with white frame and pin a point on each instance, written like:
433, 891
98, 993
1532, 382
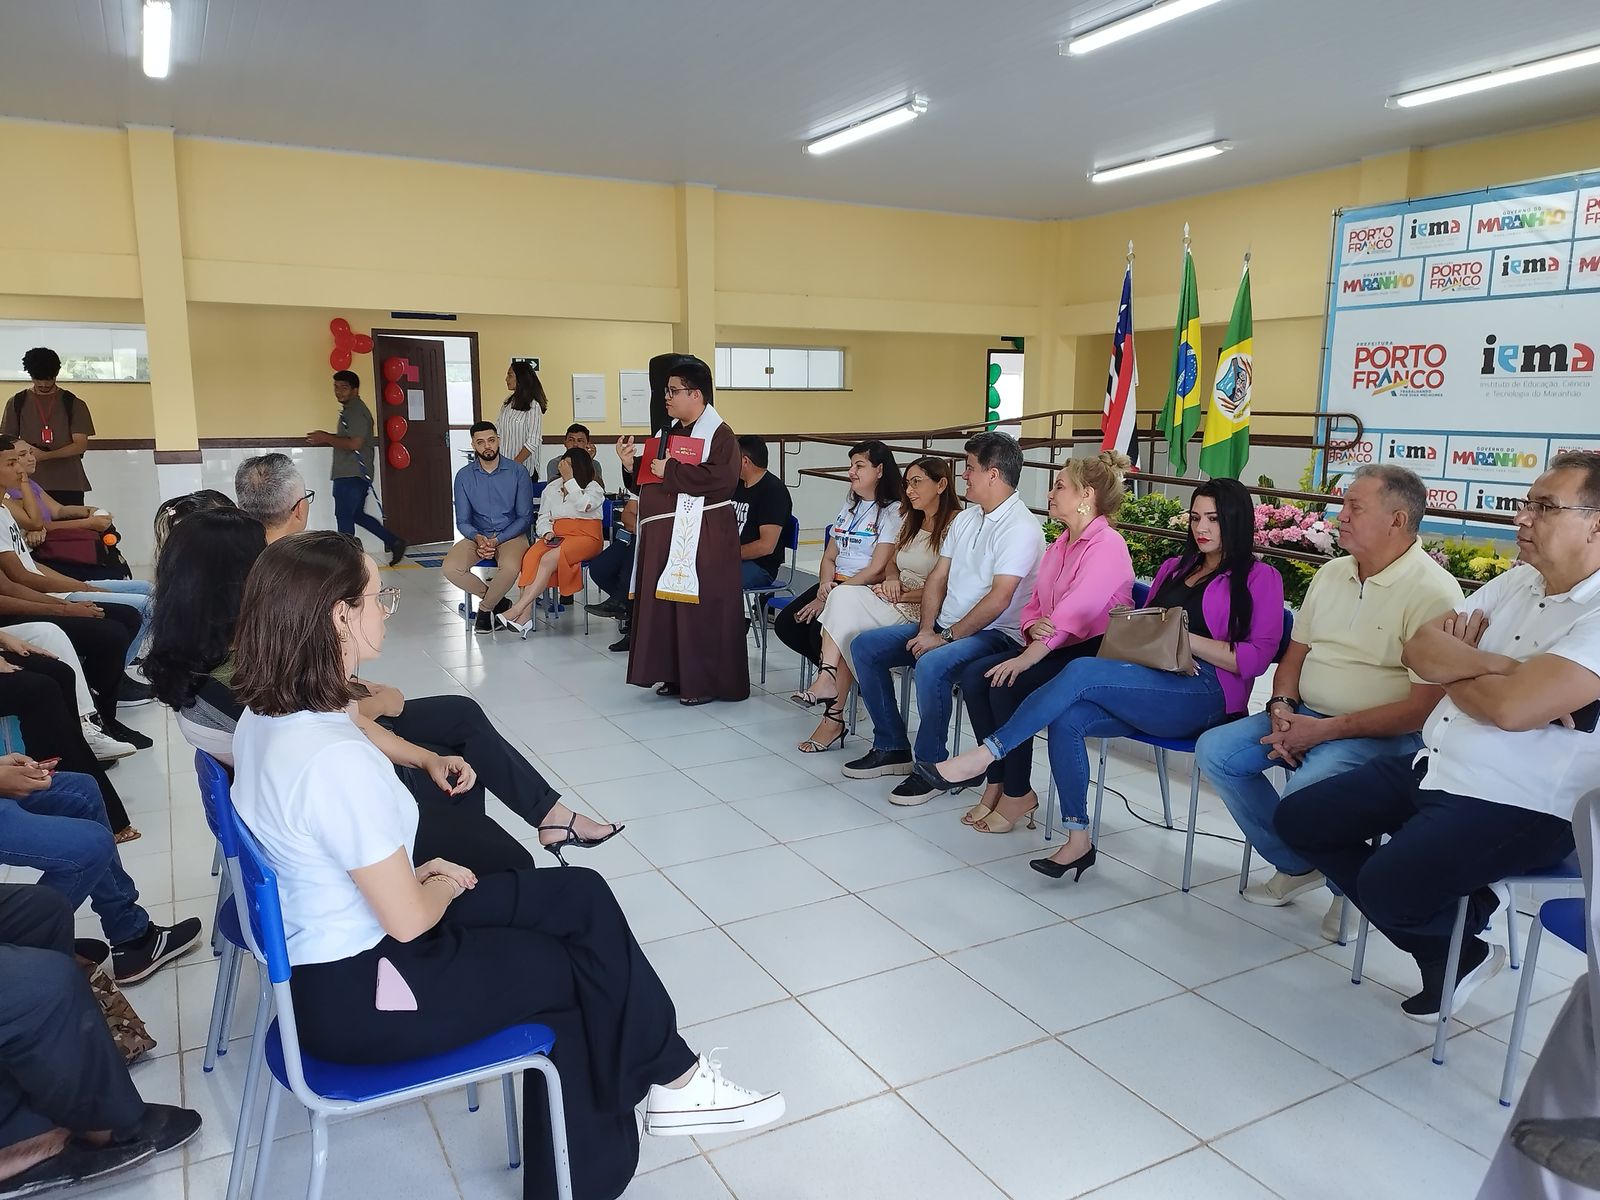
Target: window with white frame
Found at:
89, 353
780, 368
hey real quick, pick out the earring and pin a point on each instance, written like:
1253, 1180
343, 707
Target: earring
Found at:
1084, 508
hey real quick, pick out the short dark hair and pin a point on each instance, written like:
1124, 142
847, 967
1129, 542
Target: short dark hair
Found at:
582, 465
41, 363
349, 377
997, 451
7, 443
753, 448
1589, 464
286, 652
577, 428
479, 426
694, 373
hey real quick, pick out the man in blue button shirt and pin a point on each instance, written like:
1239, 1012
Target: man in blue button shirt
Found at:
494, 511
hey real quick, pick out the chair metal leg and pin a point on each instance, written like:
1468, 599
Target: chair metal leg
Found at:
1244, 868
1512, 937
1519, 1022
1050, 810
219, 1005
472, 1097
319, 1156
558, 1126
269, 1130
1099, 786
854, 715
1194, 817
905, 696
508, 1087
1361, 950
1447, 997
1344, 920
228, 1002
1166, 789
583, 601
216, 861
252, 1081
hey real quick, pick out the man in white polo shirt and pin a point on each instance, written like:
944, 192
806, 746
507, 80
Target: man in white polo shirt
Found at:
971, 605
1505, 756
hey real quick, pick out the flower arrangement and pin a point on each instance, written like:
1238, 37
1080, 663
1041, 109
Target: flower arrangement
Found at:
1481, 561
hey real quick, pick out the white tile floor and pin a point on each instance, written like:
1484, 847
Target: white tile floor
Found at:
945, 1022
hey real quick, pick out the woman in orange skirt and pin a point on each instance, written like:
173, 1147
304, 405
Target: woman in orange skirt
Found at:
567, 536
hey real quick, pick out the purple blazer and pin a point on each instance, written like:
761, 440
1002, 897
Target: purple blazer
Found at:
1266, 626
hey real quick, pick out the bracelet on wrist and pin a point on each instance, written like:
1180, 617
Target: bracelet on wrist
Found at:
1291, 701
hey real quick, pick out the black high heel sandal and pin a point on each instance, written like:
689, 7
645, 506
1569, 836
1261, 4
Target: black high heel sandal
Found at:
1056, 870
572, 838
831, 713
806, 700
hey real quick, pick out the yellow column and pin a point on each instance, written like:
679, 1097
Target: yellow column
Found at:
695, 331
1387, 177
1043, 345
153, 168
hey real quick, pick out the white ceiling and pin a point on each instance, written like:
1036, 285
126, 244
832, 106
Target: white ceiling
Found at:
726, 91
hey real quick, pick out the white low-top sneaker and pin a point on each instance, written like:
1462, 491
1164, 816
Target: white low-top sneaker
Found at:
708, 1103
105, 747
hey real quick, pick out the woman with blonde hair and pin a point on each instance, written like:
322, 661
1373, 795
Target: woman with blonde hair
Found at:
929, 506
1085, 573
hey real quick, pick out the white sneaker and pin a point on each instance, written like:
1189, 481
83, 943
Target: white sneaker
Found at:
708, 1103
1281, 889
1330, 920
105, 747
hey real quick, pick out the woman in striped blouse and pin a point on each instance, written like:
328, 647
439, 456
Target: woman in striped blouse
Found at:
521, 420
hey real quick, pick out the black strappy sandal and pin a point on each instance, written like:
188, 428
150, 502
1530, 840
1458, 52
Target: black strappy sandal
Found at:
806, 700
833, 712
572, 838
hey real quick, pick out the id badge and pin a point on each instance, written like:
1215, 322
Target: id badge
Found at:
45, 435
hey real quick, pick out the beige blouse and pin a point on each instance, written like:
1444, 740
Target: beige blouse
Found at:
916, 560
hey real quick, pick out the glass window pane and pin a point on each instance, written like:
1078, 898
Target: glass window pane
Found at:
827, 369
88, 352
750, 365
722, 367
789, 368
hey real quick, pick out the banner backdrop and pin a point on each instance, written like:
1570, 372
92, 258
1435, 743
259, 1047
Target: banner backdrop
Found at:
1463, 330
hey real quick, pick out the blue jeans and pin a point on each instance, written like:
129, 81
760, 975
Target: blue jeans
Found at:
612, 567
63, 832
135, 593
1102, 697
1236, 762
753, 575
877, 652
350, 510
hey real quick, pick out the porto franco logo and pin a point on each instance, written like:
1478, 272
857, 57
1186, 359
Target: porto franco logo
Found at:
1380, 281
1384, 367
1464, 276
1534, 216
1369, 240
1541, 358
1444, 497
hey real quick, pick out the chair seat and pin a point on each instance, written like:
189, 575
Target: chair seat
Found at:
1180, 745
1565, 919
356, 1084
779, 603
1567, 868
488, 562
228, 924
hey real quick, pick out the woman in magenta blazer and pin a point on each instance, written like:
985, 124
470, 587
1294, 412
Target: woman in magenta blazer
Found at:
1085, 573
1235, 607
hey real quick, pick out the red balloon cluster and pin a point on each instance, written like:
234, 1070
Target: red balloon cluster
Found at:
346, 343
396, 368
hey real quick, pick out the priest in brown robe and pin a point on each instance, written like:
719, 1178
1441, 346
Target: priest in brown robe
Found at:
688, 623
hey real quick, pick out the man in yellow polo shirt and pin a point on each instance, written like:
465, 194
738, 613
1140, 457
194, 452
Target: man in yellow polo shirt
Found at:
1340, 696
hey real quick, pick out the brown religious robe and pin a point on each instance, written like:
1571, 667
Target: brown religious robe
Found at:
699, 647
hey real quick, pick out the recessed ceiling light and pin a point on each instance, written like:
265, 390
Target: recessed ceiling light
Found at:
850, 134
1132, 25
1160, 162
157, 38
1521, 73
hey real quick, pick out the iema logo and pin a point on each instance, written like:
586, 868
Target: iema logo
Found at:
1382, 281
1532, 217
1422, 453
1423, 228
1536, 265
1384, 367
1494, 457
1542, 358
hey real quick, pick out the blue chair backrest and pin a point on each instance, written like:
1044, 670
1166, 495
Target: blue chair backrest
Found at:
606, 515
538, 487
217, 800
1141, 593
791, 534
1288, 630
261, 903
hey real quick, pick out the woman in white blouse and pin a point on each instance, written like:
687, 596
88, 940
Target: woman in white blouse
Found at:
930, 505
395, 960
521, 420
568, 535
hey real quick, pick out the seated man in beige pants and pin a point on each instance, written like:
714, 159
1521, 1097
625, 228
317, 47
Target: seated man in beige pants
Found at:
494, 511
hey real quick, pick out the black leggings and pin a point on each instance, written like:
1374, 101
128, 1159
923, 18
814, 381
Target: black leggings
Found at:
551, 947
804, 638
102, 645
43, 699
991, 707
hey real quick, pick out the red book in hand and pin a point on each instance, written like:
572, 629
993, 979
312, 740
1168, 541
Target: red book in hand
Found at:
648, 453
681, 447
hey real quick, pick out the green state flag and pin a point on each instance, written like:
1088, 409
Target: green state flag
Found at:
1226, 444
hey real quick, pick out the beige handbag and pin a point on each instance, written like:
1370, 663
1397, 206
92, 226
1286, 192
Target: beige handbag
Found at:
1150, 637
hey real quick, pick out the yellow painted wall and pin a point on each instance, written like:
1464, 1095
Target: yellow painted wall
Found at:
121, 410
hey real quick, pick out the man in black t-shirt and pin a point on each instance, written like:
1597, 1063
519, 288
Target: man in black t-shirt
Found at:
762, 505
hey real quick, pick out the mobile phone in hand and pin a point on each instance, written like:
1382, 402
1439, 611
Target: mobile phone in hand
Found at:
1585, 719
50, 764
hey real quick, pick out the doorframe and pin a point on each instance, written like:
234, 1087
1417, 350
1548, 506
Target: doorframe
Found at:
477, 384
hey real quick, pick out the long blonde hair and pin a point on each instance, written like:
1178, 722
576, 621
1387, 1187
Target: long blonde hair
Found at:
1103, 475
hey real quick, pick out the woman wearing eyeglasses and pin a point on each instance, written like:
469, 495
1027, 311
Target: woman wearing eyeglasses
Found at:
397, 957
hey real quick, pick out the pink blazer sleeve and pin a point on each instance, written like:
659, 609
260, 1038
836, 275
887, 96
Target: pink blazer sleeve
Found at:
1103, 580
1266, 622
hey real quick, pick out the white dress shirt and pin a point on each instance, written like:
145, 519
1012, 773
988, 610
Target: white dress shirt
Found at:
980, 545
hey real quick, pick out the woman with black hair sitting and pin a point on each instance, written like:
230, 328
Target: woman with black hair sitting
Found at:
568, 534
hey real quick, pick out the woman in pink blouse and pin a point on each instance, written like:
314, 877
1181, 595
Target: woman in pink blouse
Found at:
1084, 574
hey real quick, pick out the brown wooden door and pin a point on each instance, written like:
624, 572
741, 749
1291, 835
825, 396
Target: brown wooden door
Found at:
417, 501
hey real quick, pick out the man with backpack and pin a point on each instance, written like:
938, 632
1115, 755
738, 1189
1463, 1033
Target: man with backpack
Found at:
56, 423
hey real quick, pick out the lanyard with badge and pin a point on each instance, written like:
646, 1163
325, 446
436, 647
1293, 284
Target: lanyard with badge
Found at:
46, 437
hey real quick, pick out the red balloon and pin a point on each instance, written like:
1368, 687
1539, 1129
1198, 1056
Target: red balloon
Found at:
339, 360
393, 369
399, 457
395, 426
338, 325
393, 393
363, 344
344, 339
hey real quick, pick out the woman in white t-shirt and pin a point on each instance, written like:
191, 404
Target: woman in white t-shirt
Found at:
395, 961
861, 545
521, 420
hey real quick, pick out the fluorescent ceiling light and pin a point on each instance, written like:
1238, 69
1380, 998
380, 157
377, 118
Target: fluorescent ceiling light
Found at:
1537, 69
157, 38
1132, 25
865, 129
1160, 162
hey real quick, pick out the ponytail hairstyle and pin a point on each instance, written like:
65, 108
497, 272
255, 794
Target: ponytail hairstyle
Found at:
1103, 475
1236, 521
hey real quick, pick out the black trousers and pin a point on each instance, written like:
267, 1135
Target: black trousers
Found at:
42, 698
611, 569
1441, 847
102, 646
58, 1064
457, 828
551, 947
805, 639
991, 707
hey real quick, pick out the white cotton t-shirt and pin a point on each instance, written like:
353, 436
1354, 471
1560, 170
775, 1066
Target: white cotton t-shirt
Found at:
12, 538
859, 529
980, 545
323, 802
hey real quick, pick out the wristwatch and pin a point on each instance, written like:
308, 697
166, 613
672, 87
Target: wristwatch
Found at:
947, 635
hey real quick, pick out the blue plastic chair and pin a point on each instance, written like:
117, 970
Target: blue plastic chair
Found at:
334, 1089
1566, 919
775, 596
213, 778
